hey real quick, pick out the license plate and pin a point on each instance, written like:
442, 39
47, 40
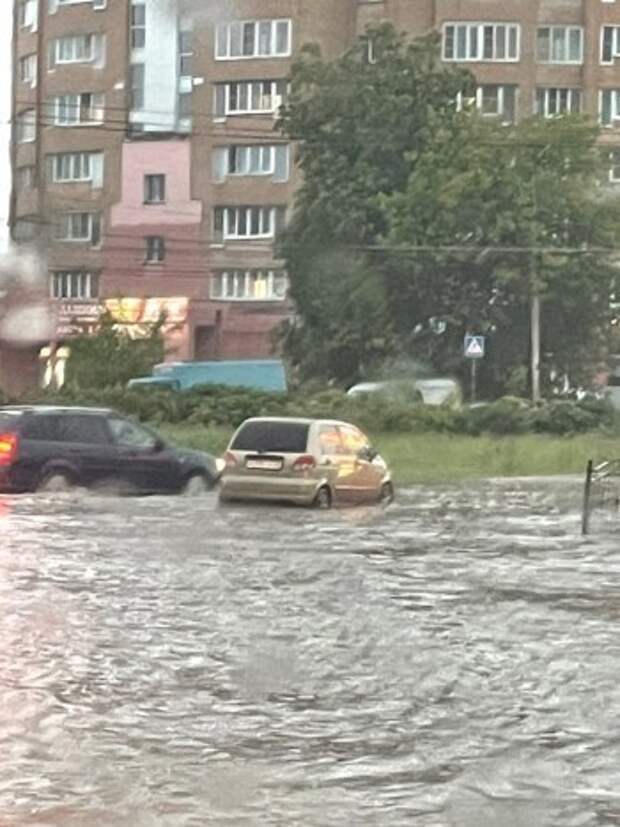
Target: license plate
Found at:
264, 464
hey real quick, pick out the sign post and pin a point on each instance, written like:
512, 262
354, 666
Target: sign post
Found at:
474, 350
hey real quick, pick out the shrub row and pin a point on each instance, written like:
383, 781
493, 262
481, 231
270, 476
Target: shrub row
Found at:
229, 407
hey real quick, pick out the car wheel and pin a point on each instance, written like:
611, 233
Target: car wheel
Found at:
55, 483
387, 492
196, 486
323, 499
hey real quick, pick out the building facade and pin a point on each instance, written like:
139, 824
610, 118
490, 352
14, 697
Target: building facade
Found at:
147, 167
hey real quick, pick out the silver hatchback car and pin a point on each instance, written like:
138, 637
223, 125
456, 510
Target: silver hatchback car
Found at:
313, 462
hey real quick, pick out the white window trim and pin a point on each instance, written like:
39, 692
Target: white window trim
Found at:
78, 109
615, 107
256, 22
23, 121
268, 212
220, 278
88, 239
567, 29
60, 61
83, 279
276, 99
572, 92
31, 61
616, 44
614, 164
480, 26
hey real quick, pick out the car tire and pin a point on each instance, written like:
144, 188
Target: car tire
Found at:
196, 486
387, 493
57, 482
323, 499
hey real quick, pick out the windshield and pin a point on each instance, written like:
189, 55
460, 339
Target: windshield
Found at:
267, 437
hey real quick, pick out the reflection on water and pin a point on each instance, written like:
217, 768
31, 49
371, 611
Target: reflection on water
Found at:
449, 661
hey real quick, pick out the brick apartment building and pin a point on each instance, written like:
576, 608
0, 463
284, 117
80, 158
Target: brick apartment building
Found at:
145, 160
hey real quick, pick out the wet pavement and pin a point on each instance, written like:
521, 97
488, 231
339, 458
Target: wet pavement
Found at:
450, 661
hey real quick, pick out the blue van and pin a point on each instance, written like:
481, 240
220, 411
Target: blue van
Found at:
260, 374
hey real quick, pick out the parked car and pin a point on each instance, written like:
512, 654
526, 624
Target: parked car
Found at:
312, 462
434, 391
50, 448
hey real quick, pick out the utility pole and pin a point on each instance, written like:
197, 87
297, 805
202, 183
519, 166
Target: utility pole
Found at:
535, 341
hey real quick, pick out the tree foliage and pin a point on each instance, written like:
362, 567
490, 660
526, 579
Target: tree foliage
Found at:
430, 222
111, 357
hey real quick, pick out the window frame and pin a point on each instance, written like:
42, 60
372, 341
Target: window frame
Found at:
243, 89
220, 280
97, 103
572, 92
151, 192
241, 26
568, 29
93, 222
478, 27
154, 249
85, 281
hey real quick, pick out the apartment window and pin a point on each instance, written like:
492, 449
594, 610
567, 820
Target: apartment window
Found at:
185, 105
609, 107
154, 189
231, 223
136, 80
24, 178
495, 101
553, 102
610, 44
27, 14
249, 285
26, 126
253, 38
74, 284
72, 167
81, 48
138, 26
80, 226
155, 251
481, 41
28, 69
186, 54
255, 159
84, 108
559, 44
249, 97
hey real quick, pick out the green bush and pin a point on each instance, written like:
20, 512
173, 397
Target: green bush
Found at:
228, 407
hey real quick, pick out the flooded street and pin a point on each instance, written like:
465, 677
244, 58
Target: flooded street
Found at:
450, 661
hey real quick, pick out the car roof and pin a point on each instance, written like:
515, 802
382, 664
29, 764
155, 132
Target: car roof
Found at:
54, 409
297, 420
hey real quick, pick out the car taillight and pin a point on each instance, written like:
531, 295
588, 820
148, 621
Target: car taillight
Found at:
230, 460
9, 446
304, 463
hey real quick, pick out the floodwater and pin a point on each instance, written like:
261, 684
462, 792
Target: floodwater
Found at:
450, 661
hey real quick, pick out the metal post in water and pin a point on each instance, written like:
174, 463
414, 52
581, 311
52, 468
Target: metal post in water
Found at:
585, 517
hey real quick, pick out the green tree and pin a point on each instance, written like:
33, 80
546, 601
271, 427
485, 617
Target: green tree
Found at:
360, 122
490, 216
111, 357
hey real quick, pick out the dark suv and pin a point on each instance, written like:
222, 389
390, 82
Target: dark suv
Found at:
55, 448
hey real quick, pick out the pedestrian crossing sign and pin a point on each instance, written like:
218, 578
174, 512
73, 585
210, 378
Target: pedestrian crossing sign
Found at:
474, 347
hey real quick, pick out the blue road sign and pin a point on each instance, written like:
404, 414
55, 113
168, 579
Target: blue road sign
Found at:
474, 347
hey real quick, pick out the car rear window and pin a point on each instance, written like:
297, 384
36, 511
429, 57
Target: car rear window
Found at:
272, 437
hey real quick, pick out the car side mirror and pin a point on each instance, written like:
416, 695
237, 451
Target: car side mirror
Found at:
158, 446
367, 453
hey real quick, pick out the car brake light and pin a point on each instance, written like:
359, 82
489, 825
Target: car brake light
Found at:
230, 460
304, 463
9, 445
